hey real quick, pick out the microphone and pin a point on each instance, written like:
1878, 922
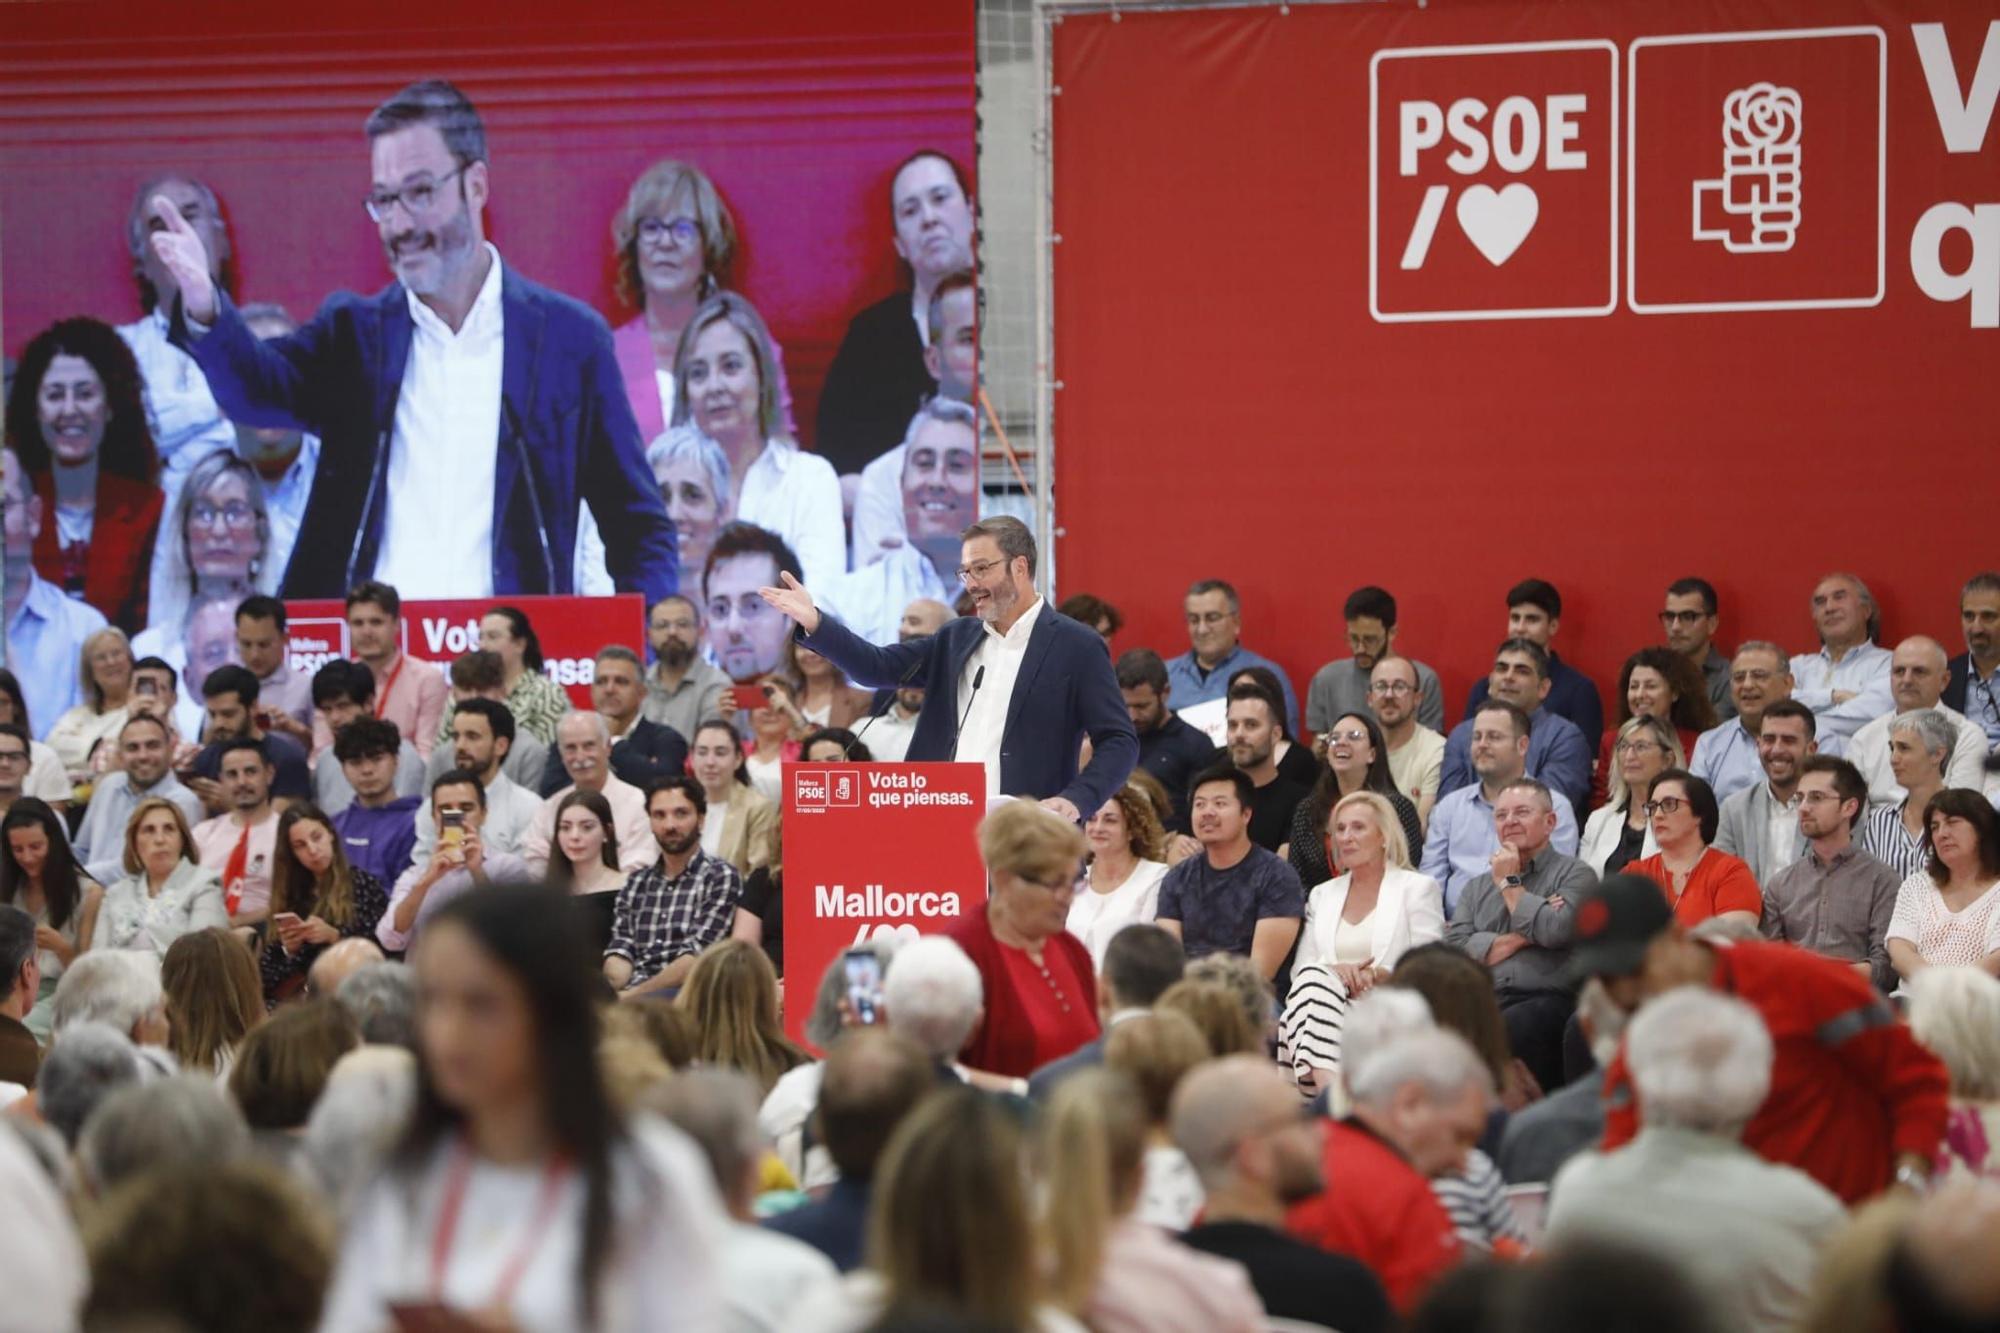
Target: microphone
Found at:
888, 703
978, 679
519, 440
383, 439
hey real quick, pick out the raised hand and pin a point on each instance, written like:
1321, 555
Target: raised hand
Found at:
794, 601
179, 247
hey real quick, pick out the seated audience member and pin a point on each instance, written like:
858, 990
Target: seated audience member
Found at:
482, 743
410, 694
1845, 683
584, 746
240, 843
1088, 608
1855, 1102
517, 953
1141, 963
1218, 1013
1460, 844
833, 745
1955, 1013
1948, 912
1238, 1121
479, 675
117, 987
641, 751
1534, 613
461, 857
178, 1121
20, 983
583, 863
788, 1106
339, 961
1655, 682
536, 701
1119, 1272
1700, 880
1918, 673
1295, 761
1359, 924
318, 896
284, 696
937, 497
42, 625
1155, 1052
39, 874
364, 1111
230, 697
731, 993
46, 779
85, 1064
683, 690
1202, 674
1725, 756
741, 826
1235, 897
776, 728
282, 1068
1618, 832
145, 748
1416, 752
933, 996
870, 1082
164, 894
671, 911
1974, 686
892, 723
1747, 1232
1760, 824
824, 698
1121, 884
104, 672
1420, 1099
156, 693
1540, 1137
1346, 685
1836, 900
1557, 752
1690, 620
1255, 730
16, 753
763, 1272
1919, 749
1169, 749
213, 996
377, 827
380, 996
1040, 988
344, 693
1517, 921
1356, 760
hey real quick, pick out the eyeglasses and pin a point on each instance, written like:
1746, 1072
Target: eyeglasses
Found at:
1666, 805
235, 516
1671, 618
1818, 797
1759, 676
1635, 746
976, 570
416, 197
1353, 735
1396, 687
13, 756
682, 231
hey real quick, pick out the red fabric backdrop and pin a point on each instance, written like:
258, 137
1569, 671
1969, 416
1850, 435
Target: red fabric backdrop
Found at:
798, 112
1231, 408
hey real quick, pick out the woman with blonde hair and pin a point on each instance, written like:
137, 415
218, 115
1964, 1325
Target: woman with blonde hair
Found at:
213, 998
1217, 1012
1618, 832
1156, 1051
164, 894
1128, 859
1955, 1011
104, 670
732, 998
1116, 1271
216, 542
317, 898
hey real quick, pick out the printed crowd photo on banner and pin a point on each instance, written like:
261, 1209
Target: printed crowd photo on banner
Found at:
650, 313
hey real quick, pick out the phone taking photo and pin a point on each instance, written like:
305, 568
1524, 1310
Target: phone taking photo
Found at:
864, 984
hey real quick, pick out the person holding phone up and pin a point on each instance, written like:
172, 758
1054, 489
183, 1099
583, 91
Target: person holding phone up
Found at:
460, 860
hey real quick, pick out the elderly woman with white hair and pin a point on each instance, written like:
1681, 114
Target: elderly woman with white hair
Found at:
86, 1064
1920, 745
117, 987
1955, 1011
1748, 1233
791, 1100
184, 1120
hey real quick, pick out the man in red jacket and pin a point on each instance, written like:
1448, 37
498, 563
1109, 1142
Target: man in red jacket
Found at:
1855, 1102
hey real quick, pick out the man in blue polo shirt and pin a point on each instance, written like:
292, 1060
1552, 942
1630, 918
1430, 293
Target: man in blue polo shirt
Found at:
1216, 652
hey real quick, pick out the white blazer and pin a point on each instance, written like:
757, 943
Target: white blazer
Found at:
1408, 912
1600, 838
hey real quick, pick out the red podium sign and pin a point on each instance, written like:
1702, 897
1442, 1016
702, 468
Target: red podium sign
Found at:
874, 850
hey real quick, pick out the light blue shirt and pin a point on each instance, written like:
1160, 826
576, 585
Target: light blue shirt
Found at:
285, 501
45, 650
1189, 686
1725, 757
1982, 702
870, 601
1460, 845
1864, 672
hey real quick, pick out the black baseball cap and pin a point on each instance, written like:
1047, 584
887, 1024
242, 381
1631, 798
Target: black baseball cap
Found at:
1615, 924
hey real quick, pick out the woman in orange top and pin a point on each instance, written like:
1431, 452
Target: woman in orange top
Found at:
1700, 881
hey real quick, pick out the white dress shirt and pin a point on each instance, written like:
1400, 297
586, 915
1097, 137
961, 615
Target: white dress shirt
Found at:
870, 601
1864, 672
187, 422
437, 537
1781, 835
1965, 766
797, 496
985, 713
879, 526
889, 738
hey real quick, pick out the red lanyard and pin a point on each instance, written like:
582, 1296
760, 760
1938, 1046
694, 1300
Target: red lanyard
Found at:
382, 694
553, 1179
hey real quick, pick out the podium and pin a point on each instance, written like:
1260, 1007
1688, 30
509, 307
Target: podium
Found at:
874, 850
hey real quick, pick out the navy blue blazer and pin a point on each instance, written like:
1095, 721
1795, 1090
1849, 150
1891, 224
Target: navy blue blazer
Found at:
567, 437
1066, 691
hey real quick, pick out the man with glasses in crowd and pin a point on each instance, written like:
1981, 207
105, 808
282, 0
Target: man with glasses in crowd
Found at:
1725, 756
460, 473
682, 690
1345, 686
1689, 620
13, 763
1416, 752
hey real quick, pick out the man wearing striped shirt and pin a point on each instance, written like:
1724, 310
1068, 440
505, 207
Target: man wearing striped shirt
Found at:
670, 911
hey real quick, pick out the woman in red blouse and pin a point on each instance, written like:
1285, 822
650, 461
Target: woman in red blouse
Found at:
1699, 881
77, 421
1041, 992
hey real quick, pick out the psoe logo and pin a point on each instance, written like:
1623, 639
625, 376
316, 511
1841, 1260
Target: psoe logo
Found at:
809, 789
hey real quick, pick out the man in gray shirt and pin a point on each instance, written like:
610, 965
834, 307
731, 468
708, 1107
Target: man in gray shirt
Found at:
682, 691
1342, 686
146, 749
1836, 900
1518, 918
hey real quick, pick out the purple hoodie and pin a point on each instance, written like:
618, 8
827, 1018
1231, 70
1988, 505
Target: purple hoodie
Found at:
379, 841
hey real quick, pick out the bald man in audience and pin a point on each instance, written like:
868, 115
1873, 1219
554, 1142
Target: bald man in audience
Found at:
339, 962
1918, 672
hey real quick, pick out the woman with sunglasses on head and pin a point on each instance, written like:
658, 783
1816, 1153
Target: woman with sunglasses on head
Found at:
1698, 880
1618, 832
1357, 759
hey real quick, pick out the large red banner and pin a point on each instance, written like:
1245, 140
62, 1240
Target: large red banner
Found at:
874, 850
1606, 292
571, 630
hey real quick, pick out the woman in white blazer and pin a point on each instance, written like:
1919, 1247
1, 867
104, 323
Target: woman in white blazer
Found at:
1618, 832
1361, 923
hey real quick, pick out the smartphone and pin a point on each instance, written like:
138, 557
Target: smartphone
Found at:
864, 984
749, 697
451, 830
288, 919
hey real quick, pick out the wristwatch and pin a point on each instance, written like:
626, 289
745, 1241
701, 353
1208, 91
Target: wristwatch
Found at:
1512, 881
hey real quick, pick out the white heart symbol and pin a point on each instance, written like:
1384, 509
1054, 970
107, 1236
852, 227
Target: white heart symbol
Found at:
1497, 221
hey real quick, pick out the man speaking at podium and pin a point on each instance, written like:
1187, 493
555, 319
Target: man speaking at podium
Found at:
1016, 686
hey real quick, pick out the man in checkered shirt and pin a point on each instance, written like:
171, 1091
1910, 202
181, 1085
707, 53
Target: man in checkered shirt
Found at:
670, 911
